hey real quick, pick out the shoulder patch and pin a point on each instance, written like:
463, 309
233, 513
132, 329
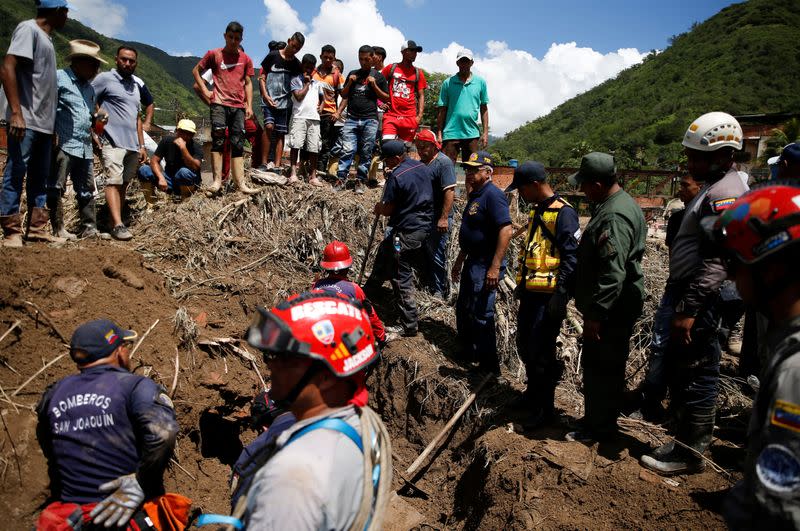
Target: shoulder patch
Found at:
778, 469
164, 399
786, 415
722, 204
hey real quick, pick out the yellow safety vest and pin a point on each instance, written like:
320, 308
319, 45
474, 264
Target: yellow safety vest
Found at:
539, 258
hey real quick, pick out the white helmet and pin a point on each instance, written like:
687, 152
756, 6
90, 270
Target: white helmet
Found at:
712, 131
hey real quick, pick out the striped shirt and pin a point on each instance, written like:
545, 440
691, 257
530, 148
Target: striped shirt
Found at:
76, 101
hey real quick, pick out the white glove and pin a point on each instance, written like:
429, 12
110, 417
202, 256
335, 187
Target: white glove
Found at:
126, 496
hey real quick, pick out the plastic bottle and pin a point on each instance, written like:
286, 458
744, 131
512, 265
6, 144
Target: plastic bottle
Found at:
397, 244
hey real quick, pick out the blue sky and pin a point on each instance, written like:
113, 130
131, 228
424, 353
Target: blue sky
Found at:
533, 54
529, 25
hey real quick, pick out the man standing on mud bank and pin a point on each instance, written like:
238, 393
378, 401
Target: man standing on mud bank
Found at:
107, 434
481, 263
30, 93
609, 292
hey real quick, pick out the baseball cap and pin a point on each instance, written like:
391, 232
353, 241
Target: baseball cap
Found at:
52, 4
392, 148
99, 338
481, 158
527, 172
426, 135
464, 53
187, 125
791, 153
594, 165
410, 45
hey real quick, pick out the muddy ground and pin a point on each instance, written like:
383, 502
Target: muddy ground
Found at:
490, 475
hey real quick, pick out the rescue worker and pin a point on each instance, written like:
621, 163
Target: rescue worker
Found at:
408, 202
695, 277
336, 260
270, 420
107, 434
609, 292
544, 279
760, 233
332, 469
481, 263
443, 175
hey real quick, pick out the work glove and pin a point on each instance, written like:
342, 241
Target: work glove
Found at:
126, 496
557, 307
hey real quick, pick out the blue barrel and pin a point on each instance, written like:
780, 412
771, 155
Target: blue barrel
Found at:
513, 163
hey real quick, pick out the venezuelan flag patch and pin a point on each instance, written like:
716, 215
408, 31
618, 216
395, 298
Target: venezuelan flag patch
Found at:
722, 204
786, 415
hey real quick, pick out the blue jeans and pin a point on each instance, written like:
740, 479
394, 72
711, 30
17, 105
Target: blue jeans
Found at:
436, 250
182, 177
30, 156
475, 316
358, 136
655, 382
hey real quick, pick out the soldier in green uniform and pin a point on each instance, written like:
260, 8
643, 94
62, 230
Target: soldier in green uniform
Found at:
609, 292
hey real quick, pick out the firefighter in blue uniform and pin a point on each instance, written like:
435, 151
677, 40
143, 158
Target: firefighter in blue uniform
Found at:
107, 434
483, 240
544, 276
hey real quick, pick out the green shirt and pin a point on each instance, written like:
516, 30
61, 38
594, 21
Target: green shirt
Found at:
463, 102
609, 279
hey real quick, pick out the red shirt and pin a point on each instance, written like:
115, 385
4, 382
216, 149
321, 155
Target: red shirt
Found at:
402, 89
230, 71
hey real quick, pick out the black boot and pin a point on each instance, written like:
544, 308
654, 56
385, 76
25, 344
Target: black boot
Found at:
88, 215
56, 205
695, 431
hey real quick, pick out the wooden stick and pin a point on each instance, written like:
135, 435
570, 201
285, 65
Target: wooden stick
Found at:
13, 326
177, 369
49, 321
446, 430
13, 447
249, 357
141, 339
177, 464
8, 399
37, 373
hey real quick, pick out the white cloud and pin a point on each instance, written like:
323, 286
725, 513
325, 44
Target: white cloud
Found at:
181, 54
521, 87
103, 16
414, 3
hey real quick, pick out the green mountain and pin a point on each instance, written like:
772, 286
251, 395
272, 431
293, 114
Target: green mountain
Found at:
168, 78
743, 60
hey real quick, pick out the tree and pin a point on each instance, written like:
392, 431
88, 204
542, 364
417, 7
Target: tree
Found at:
781, 136
435, 80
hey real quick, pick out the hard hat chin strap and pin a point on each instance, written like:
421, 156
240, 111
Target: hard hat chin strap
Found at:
291, 396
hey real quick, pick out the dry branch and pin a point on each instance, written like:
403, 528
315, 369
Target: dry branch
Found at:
49, 321
37, 373
141, 339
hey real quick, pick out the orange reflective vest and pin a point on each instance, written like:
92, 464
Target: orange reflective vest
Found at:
539, 259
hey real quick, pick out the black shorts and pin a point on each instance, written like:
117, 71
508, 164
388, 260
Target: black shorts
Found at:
232, 119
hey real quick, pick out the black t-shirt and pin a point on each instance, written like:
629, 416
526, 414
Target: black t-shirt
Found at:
409, 189
171, 155
280, 72
362, 102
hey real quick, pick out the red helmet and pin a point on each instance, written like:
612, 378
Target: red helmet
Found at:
320, 325
761, 222
336, 256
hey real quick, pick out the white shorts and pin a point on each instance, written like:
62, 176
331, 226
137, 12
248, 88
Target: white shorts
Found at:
304, 134
120, 164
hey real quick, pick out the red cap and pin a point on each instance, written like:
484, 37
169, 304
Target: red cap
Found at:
336, 256
426, 135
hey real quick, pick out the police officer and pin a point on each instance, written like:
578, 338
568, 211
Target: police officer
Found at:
107, 434
544, 279
760, 233
408, 202
695, 277
443, 173
331, 469
481, 263
609, 292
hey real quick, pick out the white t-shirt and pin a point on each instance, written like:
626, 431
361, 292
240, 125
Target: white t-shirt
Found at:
314, 483
308, 107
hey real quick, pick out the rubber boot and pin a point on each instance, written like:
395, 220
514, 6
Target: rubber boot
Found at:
216, 168
186, 191
88, 215
694, 432
149, 192
237, 173
333, 166
56, 206
12, 230
37, 227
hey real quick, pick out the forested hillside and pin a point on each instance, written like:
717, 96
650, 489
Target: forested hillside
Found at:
743, 60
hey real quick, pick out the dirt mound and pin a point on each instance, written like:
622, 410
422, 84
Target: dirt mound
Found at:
200, 268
